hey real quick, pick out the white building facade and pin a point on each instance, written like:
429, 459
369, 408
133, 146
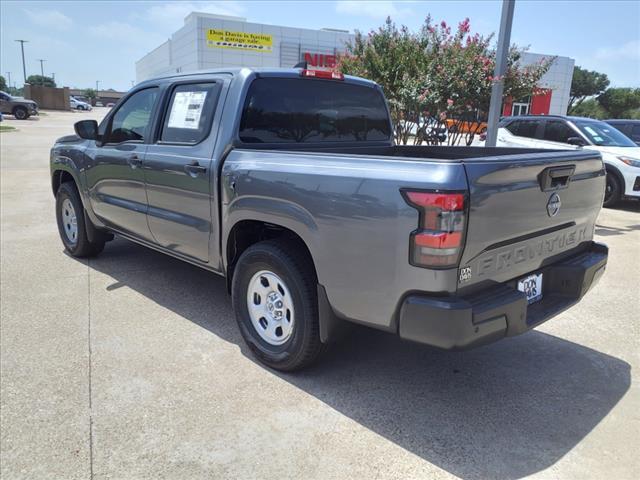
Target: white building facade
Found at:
209, 41
215, 41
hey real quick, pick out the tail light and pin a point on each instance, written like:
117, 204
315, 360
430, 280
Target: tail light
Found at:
322, 74
438, 241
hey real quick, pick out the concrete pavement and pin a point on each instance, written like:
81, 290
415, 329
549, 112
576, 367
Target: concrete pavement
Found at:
130, 365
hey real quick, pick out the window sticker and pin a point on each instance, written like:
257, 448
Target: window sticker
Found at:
186, 110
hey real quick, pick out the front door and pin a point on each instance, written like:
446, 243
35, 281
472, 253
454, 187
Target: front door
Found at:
115, 179
178, 171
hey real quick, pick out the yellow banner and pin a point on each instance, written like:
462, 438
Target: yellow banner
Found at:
256, 42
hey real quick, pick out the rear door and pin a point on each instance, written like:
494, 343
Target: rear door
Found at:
521, 133
527, 209
178, 169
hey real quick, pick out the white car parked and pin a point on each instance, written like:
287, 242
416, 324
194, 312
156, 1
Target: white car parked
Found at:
621, 155
79, 104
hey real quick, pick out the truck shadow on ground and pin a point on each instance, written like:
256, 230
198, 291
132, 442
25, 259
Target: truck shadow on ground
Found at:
503, 411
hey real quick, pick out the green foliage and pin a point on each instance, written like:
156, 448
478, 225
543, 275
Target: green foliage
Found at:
585, 83
3, 84
590, 108
40, 80
90, 93
435, 74
620, 102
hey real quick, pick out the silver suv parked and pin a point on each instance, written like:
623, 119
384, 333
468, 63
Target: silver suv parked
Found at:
19, 107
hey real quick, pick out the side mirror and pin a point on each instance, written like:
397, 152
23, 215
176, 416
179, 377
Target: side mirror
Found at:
87, 129
577, 141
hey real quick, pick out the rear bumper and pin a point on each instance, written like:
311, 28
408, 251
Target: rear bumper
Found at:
463, 322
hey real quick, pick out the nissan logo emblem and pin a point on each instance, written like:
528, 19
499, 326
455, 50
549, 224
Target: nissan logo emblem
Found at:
553, 205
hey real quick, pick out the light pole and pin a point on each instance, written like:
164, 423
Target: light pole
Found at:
42, 60
497, 89
53, 77
24, 67
9, 79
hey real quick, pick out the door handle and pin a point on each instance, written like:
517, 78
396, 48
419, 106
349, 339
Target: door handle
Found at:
194, 169
134, 161
556, 178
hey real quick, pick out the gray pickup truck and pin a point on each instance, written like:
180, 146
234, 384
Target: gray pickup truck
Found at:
288, 183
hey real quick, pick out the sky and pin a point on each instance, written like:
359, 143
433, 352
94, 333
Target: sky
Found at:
85, 41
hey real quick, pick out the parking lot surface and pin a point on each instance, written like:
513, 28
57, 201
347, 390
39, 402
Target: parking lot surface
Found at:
130, 365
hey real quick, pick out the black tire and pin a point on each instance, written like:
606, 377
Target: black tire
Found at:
613, 190
80, 246
291, 264
20, 113
79, 107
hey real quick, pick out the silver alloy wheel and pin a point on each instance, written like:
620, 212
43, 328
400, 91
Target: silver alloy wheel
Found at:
69, 221
270, 307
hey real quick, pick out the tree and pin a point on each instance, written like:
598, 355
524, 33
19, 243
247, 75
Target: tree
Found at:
585, 83
3, 84
90, 93
620, 102
590, 108
40, 80
435, 76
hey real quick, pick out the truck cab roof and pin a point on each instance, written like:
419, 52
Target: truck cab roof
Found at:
247, 72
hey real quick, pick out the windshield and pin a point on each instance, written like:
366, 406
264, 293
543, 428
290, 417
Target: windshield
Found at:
604, 135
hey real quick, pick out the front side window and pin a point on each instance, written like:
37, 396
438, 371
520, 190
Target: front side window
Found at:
557, 131
188, 117
304, 110
131, 121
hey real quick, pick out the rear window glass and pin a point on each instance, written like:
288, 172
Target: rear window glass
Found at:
523, 128
303, 110
188, 117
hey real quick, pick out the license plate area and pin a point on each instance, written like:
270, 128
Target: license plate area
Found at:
531, 286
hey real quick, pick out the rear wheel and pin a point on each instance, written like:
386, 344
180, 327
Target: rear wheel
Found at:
71, 223
20, 113
275, 301
613, 190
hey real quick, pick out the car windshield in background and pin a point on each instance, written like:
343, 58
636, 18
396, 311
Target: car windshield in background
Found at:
603, 134
294, 110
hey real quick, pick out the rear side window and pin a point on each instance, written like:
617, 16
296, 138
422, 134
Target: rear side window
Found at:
523, 128
303, 110
189, 113
635, 133
557, 131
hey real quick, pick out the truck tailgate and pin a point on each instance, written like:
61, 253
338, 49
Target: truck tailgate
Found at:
528, 210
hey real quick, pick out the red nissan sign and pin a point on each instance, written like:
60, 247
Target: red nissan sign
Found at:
320, 60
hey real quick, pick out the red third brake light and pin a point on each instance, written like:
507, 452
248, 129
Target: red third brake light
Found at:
438, 240
322, 74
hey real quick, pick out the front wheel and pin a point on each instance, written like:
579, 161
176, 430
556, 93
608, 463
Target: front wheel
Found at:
613, 190
20, 113
71, 223
275, 301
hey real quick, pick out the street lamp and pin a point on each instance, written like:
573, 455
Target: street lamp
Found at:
41, 60
24, 67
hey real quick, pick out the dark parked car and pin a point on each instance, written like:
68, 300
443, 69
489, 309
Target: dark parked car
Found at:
631, 128
19, 107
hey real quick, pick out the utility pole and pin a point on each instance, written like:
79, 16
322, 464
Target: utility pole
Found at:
53, 77
24, 67
504, 38
97, 83
41, 60
9, 79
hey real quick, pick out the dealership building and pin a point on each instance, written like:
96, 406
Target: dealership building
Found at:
209, 41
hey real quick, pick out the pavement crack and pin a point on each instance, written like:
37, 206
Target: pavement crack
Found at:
89, 370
